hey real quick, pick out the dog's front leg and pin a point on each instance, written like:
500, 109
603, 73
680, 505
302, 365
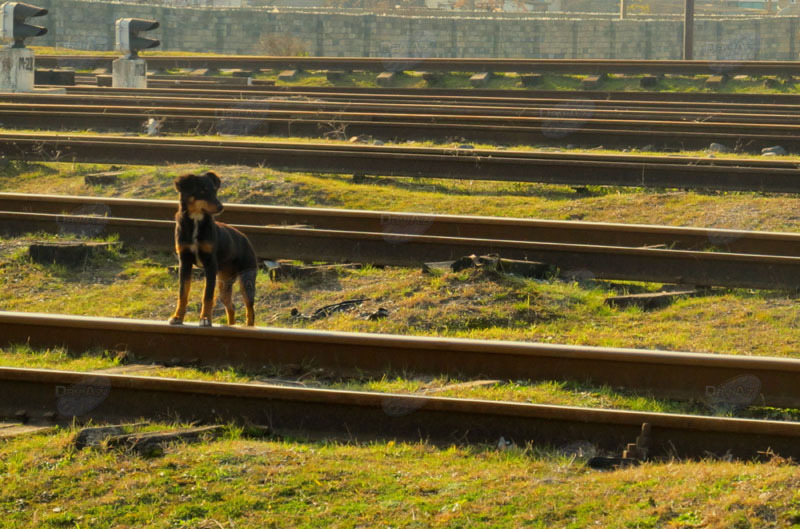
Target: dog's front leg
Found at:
186, 257
210, 269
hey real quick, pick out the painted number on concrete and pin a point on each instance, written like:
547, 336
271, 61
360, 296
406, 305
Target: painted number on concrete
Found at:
140, 69
26, 63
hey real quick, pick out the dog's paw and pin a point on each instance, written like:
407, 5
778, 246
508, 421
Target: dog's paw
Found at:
175, 321
205, 322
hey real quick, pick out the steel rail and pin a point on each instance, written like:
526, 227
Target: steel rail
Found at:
295, 110
67, 396
677, 375
380, 64
462, 94
676, 100
545, 130
500, 228
225, 109
437, 163
573, 260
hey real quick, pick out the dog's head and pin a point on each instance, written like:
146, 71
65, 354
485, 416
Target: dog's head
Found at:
199, 194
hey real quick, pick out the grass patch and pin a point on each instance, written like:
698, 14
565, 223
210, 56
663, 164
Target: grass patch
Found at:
236, 482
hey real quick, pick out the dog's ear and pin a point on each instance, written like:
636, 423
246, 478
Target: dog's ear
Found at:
214, 179
181, 182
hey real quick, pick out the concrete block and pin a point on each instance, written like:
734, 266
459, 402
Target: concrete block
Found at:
531, 79
592, 81
129, 73
16, 70
288, 75
386, 78
715, 81
481, 79
649, 81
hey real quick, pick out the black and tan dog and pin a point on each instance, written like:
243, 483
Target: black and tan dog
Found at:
223, 252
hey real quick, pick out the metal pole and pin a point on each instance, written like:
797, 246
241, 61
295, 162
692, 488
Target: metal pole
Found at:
688, 31
623, 9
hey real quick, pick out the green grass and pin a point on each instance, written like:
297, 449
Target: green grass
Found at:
236, 482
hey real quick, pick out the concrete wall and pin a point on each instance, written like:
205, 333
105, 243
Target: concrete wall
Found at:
89, 25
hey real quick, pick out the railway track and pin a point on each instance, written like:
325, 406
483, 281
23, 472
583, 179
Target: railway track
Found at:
435, 64
399, 223
205, 108
393, 249
692, 101
518, 166
508, 103
454, 94
719, 381
578, 124
44, 396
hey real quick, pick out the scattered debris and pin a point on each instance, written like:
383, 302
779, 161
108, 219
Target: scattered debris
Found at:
634, 453
12, 429
129, 368
777, 150
281, 270
67, 253
652, 300
378, 143
463, 385
495, 263
151, 444
465, 146
97, 435
503, 444
102, 179
379, 314
359, 139
152, 126
327, 310
718, 147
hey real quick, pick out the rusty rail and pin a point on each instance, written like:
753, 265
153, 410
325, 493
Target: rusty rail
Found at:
388, 222
63, 396
380, 64
552, 127
573, 260
675, 100
677, 375
520, 166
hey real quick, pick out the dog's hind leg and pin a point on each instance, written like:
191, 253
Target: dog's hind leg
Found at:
226, 296
247, 285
